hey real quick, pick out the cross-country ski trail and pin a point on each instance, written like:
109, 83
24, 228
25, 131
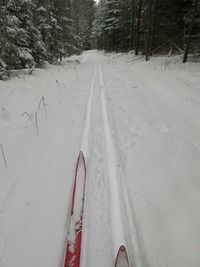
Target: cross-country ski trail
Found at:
140, 140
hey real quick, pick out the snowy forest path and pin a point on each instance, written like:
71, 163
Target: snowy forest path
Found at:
97, 235
106, 224
140, 136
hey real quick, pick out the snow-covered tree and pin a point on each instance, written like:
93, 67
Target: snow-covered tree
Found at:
112, 23
23, 45
32, 31
50, 30
36, 45
86, 21
125, 25
147, 25
70, 40
83, 16
54, 21
16, 50
98, 24
43, 24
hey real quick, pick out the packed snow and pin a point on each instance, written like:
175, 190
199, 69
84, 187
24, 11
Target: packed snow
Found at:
138, 126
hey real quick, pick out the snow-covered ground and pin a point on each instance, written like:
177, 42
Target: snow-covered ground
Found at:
138, 125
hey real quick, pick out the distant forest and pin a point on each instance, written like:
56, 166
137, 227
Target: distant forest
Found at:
149, 26
34, 31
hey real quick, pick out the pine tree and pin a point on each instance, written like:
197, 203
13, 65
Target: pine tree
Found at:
36, 45
16, 50
54, 20
63, 11
125, 25
83, 16
42, 21
147, 25
192, 30
3, 11
98, 24
112, 24
21, 44
138, 27
86, 20
32, 31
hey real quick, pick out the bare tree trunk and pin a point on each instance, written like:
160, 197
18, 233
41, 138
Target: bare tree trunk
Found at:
76, 15
78, 18
132, 23
138, 28
154, 25
0, 10
148, 36
0, 28
114, 41
188, 41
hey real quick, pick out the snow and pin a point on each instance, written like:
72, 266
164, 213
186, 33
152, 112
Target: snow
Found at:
35, 188
155, 112
111, 159
86, 131
138, 126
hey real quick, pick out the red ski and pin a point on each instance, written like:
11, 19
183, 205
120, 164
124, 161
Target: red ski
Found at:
122, 258
73, 245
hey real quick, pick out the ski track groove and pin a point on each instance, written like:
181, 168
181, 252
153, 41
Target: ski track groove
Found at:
111, 165
86, 129
135, 245
97, 212
105, 161
139, 257
96, 223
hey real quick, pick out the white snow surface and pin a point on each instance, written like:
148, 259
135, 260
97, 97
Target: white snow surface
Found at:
139, 128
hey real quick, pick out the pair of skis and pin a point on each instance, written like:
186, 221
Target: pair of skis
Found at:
73, 244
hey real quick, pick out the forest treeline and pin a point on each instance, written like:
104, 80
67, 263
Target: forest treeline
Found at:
34, 31
148, 26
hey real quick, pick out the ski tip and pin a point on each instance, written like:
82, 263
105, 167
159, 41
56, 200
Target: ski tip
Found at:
122, 258
81, 155
81, 158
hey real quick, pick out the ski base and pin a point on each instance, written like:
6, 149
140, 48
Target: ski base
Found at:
73, 245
